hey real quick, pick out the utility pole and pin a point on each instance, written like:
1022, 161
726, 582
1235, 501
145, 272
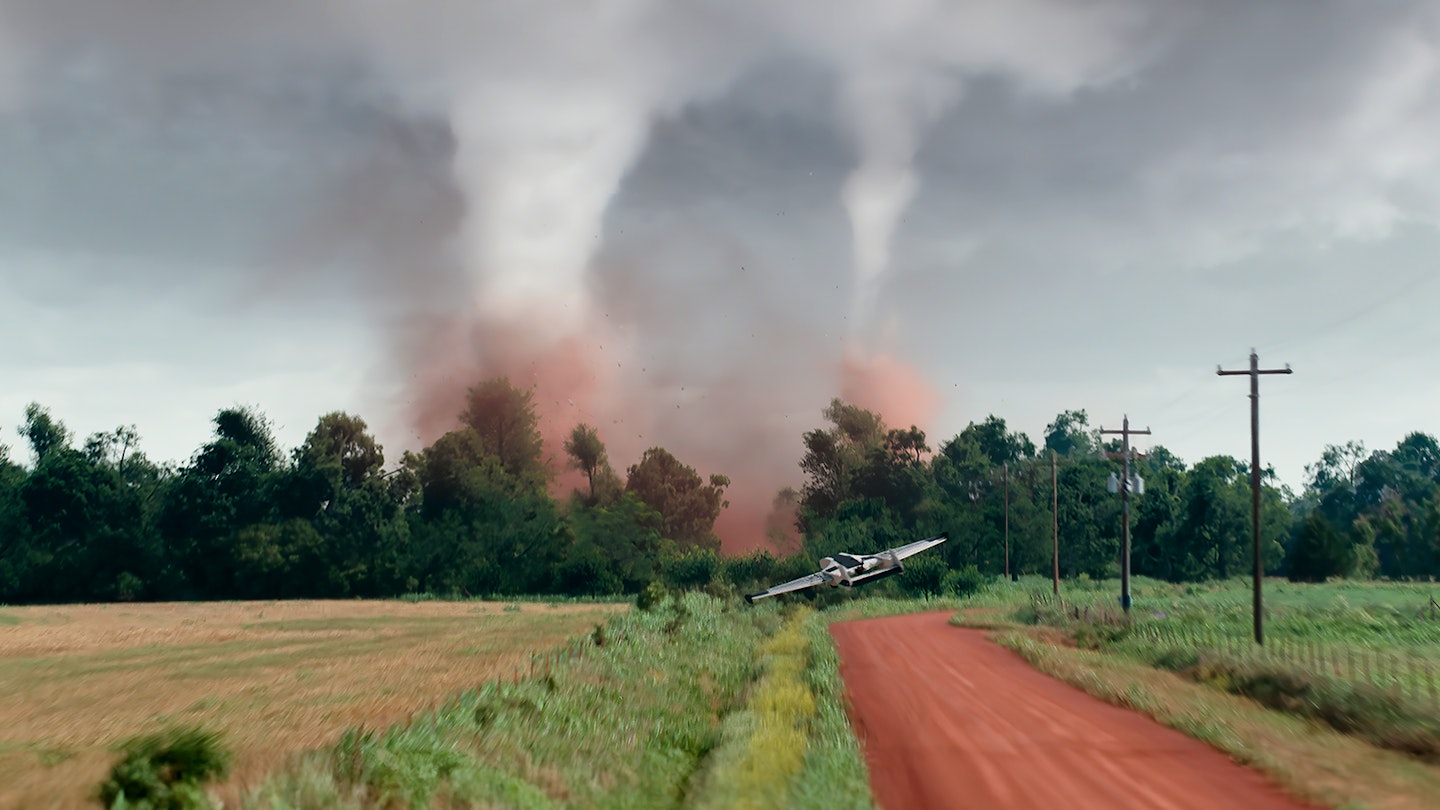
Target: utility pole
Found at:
1125, 433
1007, 520
1255, 371
1054, 524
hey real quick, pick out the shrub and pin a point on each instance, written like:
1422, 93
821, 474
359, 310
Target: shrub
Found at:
653, 595
403, 765
166, 771
1099, 634
693, 569
966, 581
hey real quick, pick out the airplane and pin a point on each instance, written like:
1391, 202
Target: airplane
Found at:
849, 569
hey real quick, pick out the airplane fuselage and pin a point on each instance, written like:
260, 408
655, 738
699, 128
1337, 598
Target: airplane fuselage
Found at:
844, 569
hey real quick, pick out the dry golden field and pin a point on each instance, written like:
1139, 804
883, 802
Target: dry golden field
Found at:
275, 678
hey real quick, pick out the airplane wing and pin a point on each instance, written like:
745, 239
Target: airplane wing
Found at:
800, 584
911, 549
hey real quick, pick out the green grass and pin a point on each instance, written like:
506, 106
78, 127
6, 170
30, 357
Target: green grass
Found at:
764, 744
834, 774
1360, 659
627, 724
1365, 634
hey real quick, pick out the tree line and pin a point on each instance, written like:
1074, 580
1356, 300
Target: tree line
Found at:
475, 512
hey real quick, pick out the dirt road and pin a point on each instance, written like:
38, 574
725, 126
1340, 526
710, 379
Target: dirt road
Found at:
950, 719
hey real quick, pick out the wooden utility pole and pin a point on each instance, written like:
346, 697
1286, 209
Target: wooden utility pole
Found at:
1007, 520
1054, 524
1125, 433
1254, 372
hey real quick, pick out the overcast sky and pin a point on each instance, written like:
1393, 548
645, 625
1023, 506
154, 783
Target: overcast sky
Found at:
695, 221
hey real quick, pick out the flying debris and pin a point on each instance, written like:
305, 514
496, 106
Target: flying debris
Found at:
850, 569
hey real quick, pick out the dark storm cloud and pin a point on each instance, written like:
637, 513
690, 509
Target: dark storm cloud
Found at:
1085, 181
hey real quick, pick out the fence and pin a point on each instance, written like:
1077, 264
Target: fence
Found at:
1409, 675
1405, 675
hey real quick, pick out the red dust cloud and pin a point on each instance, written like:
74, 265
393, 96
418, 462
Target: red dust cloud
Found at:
565, 376
888, 386
726, 425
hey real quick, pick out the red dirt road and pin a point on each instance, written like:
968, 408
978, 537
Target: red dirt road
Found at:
948, 718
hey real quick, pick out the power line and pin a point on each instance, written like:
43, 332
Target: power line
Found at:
1358, 314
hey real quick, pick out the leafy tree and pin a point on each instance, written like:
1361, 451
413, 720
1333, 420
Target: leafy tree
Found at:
14, 534
1210, 536
228, 485
1319, 552
1337, 465
782, 530
587, 454
895, 472
1089, 521
342, 449
455, 469
1156, 518
753, 571
476, 528
1419, 453
336, 483
286, 560
997, 443
1070, 434
626, 536
861, 525
586, 570
688, 506
84, 528
45, 433
504, 419
834, 456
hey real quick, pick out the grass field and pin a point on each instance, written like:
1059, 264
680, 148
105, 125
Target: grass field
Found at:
696, 702
1385, 635
275, 678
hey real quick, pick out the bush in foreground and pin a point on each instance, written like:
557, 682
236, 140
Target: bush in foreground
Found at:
166, 771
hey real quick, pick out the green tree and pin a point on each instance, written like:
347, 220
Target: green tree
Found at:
1089, 521
476, 528
1337, 466
85, 530
688, 506
1419, 453
45, 433
1070, 434
998, 444
616, 547
504, 419
337, 485
14, 539
833, 458
229, 485
1320, 552
895, 472
342, 448
587, 454
1156, 516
